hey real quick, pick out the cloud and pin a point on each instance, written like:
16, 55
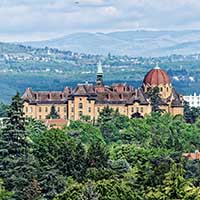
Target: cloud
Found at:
49, 17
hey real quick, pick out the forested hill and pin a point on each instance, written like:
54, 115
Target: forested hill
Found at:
53, 69
115, 158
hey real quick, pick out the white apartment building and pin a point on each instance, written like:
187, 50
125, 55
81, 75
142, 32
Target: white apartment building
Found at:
193, 100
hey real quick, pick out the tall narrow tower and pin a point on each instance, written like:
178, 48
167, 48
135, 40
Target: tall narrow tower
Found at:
99, 81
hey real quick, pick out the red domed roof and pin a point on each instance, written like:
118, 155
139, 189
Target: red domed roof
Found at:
156, 76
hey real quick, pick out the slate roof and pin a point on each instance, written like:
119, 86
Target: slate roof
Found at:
115, 94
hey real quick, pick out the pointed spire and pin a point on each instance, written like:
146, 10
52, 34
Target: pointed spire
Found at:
99, 80
157, 66
99, 68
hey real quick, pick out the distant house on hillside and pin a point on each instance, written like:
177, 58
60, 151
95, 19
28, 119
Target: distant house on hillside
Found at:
193, 100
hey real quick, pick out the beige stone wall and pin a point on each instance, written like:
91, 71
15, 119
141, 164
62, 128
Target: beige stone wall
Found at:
81, 106
165, 90
42, 110
99, 107
136, 107
177, 111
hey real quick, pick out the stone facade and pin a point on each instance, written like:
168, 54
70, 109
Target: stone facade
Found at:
89, 99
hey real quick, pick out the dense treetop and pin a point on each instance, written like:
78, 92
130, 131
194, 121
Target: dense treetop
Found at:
115, 158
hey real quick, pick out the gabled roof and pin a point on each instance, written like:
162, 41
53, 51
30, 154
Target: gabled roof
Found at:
83, 90
46, 96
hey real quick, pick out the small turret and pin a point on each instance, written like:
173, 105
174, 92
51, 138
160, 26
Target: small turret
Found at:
99, 81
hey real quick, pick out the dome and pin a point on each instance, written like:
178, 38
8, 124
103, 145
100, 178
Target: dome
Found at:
157, 77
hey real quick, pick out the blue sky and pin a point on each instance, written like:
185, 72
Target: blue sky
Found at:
42, 19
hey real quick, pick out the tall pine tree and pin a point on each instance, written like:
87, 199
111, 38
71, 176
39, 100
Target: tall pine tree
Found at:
14, 151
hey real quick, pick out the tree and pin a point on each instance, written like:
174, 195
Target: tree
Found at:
111, 123
53, 114
14, 154
89, 192
4, 195
154, 95
97, 155
3, 110
190, 113
35, 127
175, 186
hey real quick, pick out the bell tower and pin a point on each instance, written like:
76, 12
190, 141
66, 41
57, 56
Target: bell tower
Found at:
99, 80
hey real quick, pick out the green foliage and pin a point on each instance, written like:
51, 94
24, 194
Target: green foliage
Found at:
111, 123
35, 127
191, 114
85, 133
115, 159
3, 110
97, 155
4, 195
53, 114
175, 186
154, 96
16, 168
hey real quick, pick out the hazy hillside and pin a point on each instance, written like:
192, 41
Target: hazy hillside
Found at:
136, 43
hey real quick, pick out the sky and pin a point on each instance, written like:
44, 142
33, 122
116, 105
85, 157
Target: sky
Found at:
26, 20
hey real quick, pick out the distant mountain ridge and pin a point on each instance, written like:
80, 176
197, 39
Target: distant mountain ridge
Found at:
132, 43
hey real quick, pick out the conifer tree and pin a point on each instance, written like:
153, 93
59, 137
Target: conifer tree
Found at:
154, 95
97, 155
4, 195
14, 158
53, 114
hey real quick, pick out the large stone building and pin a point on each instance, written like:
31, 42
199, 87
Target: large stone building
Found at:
90, 99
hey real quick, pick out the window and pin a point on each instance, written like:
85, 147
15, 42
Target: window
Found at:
161, 89
89, 109
72, 109
46, 109
26, 109
98, 109
137, 109
80, 99
141, 110
30, 109
65, 109
40, 109
65, 117
58, 109
89, 101
40, 117
80, 105
132, 109
80, 113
